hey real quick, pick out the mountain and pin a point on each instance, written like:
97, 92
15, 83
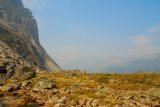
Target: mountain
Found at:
19, 38
147, 63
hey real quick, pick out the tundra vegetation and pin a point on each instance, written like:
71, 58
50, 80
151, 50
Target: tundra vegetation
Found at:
80, 89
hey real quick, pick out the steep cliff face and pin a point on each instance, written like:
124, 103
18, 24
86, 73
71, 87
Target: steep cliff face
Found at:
19, 33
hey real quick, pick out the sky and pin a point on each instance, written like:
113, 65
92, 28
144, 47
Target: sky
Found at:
92, 35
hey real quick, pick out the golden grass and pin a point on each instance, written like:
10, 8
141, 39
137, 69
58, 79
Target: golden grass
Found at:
85, 85
137, 81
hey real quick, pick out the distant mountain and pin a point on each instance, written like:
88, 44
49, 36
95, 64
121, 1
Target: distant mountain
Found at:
19, 37
148, 63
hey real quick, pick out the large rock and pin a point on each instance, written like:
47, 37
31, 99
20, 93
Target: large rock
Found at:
24, 73
19, 39
10, 87
44, 84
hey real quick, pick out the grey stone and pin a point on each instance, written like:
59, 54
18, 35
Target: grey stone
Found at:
24, 73
44, 84
10, 87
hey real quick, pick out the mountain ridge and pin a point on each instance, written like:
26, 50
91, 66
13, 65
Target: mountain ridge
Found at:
148, 63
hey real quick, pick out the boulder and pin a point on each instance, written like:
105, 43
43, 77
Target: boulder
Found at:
102, 90
44, 84
24, 73
10, 87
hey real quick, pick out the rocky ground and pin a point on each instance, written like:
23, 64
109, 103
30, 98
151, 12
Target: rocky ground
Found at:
27, 88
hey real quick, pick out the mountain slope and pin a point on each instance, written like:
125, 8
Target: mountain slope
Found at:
148, 63
19, 32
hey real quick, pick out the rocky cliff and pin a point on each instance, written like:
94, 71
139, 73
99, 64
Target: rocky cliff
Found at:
19, 39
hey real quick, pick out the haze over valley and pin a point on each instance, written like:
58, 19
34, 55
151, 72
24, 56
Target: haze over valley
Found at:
103, 36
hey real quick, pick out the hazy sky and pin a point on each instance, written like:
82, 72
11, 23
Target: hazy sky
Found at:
94, 34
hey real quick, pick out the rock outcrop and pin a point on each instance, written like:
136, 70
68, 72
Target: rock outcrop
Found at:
19, 39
